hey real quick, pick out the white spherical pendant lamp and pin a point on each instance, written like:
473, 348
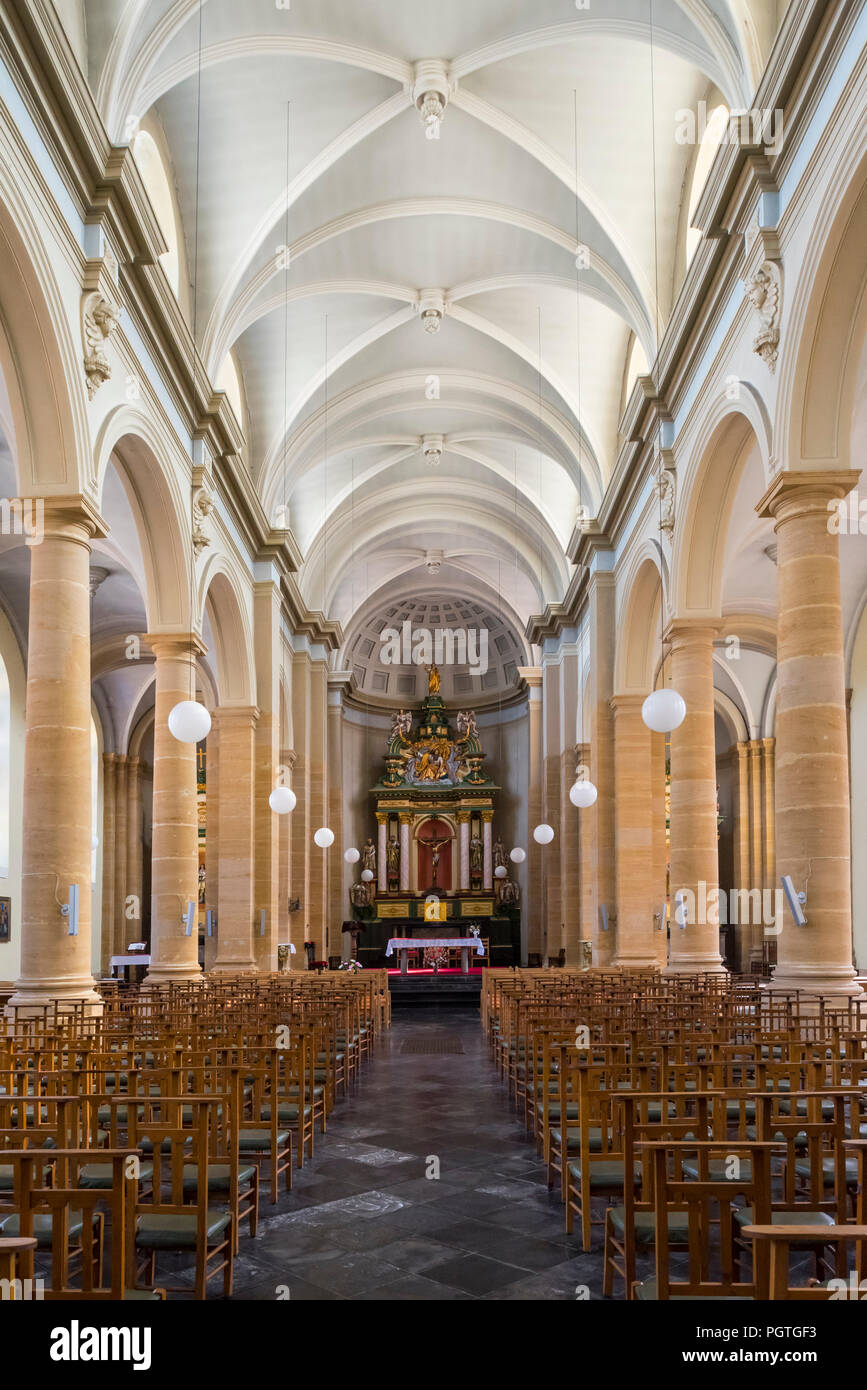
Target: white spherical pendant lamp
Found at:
282, 800
500, 871
189, 722
663, 711
352, 855
518, 856
543, 834
582, 794
324, 837
367, 875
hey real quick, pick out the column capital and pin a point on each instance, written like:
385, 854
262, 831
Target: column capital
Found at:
687, 632
487, 817
464, 817
382, 817
406, 817
69, 516
627, 704
795, 492
175, 644
239, 715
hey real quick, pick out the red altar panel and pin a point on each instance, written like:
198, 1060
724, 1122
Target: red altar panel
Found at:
434, 830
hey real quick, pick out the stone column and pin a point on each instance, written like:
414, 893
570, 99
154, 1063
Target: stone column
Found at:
812, 809
121, 815
404, 852
464, 827
302, 829
533, 902
57, 831
741, 845
768, 763
487, 852
660, 843
754, 932
212, 844
133, 849
694, 856
109, 858
381, 856
317, 773
175, 846
633, 808
587, 863
236, 733
268, 652
600, 731
284, 891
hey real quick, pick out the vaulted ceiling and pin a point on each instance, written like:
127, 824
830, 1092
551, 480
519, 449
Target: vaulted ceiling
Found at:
535, 255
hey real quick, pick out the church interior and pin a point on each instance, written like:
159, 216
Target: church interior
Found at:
433, 654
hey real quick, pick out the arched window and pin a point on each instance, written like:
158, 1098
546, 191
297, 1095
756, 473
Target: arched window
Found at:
5, 753
715, 129
153, 173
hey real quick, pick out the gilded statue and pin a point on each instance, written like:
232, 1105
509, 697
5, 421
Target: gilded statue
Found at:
368, 856
433, 680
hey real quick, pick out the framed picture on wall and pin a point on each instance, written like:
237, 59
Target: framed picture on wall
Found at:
5, 920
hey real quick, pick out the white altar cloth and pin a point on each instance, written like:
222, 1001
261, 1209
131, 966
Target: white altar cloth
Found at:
416, 943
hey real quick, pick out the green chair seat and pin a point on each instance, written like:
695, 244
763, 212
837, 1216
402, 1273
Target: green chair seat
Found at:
257, 1140
607, 1175
571, 1111
573, 1139
147, 1145
11, 1226
827, 1108
100, 1175
644, 1225
287, 1114
219, 1176
164, 1231
803, 1170
800, 1139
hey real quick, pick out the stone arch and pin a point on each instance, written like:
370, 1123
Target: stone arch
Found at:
41, 366
705, 507
233, 638
731, 715
161, 511
827, 326
638, 654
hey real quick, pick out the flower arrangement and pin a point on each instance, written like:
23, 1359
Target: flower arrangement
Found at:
436, 956
351, 966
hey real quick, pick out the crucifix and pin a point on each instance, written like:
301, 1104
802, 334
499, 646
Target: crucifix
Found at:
433, 844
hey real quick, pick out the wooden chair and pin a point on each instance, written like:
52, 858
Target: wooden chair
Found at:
176, 1219
781, 1239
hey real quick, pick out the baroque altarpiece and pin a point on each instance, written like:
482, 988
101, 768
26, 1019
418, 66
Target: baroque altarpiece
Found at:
436, 857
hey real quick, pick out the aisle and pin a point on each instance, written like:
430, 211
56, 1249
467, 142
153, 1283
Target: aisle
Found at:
364, 1221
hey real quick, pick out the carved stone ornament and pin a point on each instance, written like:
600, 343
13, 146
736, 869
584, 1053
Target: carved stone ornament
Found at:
763, 290
100, 313
666, 488
204, 503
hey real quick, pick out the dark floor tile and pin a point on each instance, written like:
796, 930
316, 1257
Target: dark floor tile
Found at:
350, 1273
476, 1274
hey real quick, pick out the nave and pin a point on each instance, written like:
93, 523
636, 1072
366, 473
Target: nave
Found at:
365, 1221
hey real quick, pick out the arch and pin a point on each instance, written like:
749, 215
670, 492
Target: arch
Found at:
828, 325
39, 361
233, 637
729, 432
731, 716
136, 444
637, 656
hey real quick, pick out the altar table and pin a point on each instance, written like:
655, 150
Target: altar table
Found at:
402, 944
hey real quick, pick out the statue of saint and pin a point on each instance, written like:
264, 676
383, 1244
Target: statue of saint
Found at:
475, 855
392, 858
368, 856
499, 854
433, 680
359, 894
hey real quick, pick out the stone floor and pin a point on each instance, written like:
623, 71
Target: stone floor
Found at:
365, 1221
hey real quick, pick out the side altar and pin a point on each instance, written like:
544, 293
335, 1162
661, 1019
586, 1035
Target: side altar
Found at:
437, 865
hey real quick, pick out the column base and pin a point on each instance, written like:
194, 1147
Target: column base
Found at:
234, 967
695, 965
817, 978
636, 962
173, 974
66, 995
